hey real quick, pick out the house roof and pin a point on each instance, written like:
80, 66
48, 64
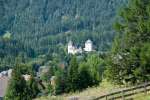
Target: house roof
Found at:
3, 85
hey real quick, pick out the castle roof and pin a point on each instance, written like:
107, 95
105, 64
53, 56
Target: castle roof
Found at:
70, 43
88, 41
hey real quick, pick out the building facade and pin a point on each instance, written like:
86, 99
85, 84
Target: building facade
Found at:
88, 46
74, 50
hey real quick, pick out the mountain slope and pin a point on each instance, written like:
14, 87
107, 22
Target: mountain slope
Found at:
43, 24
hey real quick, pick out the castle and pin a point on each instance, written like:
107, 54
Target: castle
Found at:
74, 50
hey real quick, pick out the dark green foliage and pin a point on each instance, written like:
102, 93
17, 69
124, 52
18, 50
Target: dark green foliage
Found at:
12, 49
85, 73
129, 62
78, 72
94, 63
33, 89
95, 66
60, 82
18, 88
73, 75
85, 79
40, 27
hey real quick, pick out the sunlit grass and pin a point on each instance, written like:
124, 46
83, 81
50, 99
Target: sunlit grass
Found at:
142, 97
91, 92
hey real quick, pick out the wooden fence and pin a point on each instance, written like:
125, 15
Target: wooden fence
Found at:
126, 94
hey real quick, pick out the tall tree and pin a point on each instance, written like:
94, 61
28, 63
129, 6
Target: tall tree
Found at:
85, 77
33, 89
73, 74
17, 89
126, 61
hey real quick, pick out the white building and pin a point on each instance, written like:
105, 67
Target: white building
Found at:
79, 50
73, 49
88, 46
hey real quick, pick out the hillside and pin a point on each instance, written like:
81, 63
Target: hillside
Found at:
87, 94
40, 61
43, 24
40, 27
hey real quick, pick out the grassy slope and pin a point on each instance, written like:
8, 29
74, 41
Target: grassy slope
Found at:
142, 97
92, 92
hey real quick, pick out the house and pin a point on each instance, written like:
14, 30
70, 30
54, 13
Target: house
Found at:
6, 73
3, 86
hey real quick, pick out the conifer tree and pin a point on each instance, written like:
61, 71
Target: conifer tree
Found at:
33, 89
126, 61
73, 74
85, 77
17, 89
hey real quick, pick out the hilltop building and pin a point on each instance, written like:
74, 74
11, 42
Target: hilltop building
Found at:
88, 46
74, 50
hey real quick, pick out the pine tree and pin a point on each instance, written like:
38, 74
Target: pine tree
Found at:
33, 89
17, 87
85, 78
73, 75
126, 63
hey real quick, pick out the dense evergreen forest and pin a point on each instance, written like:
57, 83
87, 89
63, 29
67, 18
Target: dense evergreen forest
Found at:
34, 35
42, 26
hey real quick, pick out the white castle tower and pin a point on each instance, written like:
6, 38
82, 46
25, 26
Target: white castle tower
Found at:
71, 48
88, 46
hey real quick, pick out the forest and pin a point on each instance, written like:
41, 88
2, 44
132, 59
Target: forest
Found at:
38, 27
34, 35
